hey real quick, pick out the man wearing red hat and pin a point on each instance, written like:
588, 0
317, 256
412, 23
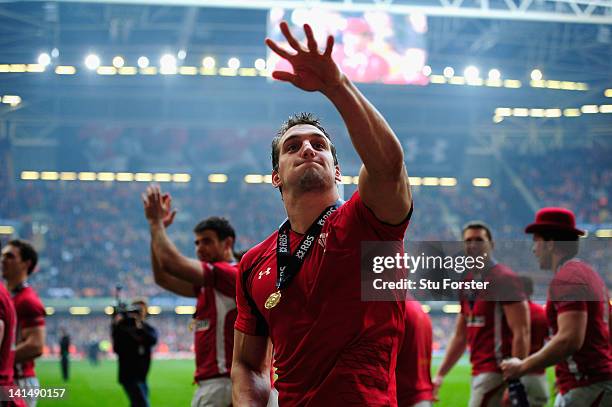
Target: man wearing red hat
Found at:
578, 311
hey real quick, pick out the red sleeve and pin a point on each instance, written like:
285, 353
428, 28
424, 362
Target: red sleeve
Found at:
31, 313
563, 306
249, 319
224, 277
569, 291
356, 211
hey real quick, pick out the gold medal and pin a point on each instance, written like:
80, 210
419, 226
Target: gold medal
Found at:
273, 300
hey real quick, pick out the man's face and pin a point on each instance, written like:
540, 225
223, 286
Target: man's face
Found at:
208, 246
305, 161
542, 249
12, 264
477, 243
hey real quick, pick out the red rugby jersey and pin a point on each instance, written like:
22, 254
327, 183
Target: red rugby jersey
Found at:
577, 287
30, 313
539, 329
330, 347
7, 349
488, 335
214, 320
413, 372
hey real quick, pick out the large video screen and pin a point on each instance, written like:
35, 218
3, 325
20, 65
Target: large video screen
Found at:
370, 47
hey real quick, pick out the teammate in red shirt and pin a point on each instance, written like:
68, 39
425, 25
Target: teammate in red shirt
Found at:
8, 327
212, 280
536, 383
413, 372
19, 260
301, 286
492, 329
578, 311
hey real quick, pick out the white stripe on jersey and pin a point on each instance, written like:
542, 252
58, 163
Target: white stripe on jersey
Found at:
498, 340
224, 305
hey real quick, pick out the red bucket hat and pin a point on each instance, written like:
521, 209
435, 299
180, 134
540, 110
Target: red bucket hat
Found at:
554, 220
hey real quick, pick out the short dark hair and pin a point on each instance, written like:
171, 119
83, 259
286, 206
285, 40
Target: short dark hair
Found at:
295, 120
27, 252
219, 225
477, 224
527, 285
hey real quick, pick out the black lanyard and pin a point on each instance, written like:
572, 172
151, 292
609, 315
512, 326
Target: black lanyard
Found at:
287, 265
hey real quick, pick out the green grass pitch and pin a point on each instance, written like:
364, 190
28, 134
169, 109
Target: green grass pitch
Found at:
170, 384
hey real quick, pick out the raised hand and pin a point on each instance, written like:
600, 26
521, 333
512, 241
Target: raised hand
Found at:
312, 70
170, 213
158, 207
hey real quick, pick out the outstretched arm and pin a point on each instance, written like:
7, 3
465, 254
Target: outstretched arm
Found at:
164, 254
383, 180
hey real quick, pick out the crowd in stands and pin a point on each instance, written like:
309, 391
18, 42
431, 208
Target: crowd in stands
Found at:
93, 235
579, 179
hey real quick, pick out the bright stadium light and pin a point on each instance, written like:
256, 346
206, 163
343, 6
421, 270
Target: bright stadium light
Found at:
118, 61
167, 64
55, 53
44, 59
208, 62
471, 73
426, 70
182, 54
167, 61
260, 64
494, 74
536, 75
92, 61
143, 62
233, 63
449, 72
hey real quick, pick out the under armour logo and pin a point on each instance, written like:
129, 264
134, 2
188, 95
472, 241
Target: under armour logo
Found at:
264, 272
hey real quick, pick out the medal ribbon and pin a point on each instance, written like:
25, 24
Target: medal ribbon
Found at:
287, 265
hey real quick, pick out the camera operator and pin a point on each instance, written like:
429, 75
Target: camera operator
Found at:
133, 340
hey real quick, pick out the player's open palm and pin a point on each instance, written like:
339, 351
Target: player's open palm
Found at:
312, 70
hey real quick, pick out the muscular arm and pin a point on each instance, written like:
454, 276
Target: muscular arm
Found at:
31, 345
171, 260
383, 180
517, 315
168, 281
568, 340
456, 347
251, 370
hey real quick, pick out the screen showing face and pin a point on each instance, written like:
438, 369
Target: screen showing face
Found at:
370, 47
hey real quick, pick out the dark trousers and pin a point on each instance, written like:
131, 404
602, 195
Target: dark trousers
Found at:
137, 391
64, 362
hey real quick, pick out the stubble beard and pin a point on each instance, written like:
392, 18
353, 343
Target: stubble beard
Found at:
313, 180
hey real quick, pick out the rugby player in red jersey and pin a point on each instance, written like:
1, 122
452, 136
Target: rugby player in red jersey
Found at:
413, 372
19, 260
8, 327
536, 383
212, 280
493, 330
578, 311
301, 286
